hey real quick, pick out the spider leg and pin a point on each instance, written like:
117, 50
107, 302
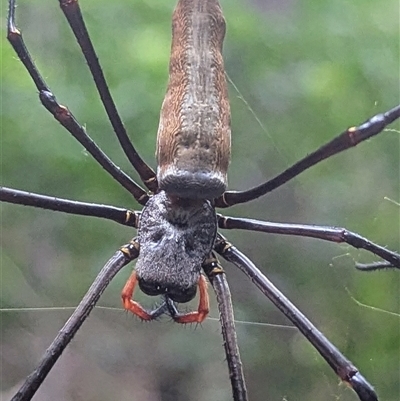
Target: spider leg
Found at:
73, 14
346, 371
217, 277
369, 267
326, 233
347, 139
63, 115
121, 258
122, 216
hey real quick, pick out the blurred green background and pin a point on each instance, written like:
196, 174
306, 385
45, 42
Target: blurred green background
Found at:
308, 70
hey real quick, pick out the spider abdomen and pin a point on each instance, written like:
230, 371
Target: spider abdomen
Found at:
193, 142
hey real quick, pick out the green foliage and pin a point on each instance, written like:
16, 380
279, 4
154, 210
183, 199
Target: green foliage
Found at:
308, 70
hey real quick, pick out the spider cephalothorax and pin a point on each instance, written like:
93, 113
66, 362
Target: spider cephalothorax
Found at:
175, 235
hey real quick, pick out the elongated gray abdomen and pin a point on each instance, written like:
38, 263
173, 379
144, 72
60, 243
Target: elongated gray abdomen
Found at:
193, 142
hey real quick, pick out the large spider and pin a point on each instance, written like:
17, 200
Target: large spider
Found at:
6, 194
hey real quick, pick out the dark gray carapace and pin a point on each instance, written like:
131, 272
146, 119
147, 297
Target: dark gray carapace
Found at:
175, 237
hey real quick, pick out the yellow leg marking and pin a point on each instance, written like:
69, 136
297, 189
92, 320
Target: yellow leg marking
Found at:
217, 270
152, 179
127, 249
